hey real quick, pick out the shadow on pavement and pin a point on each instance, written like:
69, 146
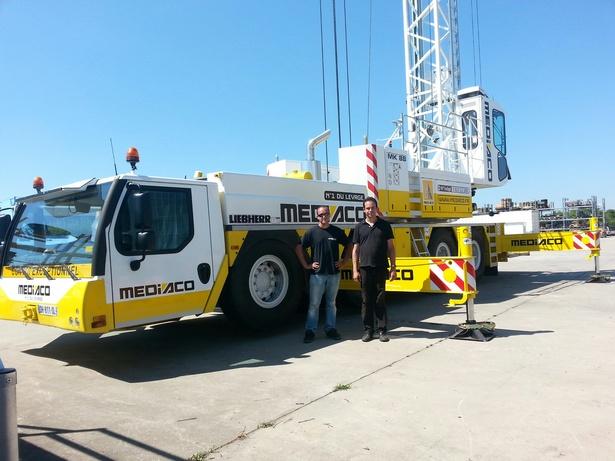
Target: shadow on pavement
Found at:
174, 349
211, 343
31, 452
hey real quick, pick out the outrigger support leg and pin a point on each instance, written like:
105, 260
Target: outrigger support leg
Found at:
597, 277
471, 330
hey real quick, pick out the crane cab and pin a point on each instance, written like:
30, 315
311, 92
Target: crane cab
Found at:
484, 138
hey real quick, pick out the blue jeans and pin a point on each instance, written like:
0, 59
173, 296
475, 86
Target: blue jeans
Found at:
328, 285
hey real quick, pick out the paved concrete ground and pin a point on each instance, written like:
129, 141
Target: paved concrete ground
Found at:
542, 389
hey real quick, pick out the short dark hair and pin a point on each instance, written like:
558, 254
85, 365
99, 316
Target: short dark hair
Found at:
370, 199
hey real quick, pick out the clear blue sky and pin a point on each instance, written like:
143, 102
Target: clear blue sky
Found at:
227, 85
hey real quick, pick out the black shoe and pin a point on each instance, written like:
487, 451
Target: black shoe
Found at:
367, 336
382, 336
333, 334
309, 336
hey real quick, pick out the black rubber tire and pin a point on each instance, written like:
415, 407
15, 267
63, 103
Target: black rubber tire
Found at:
442, 243
479, 244
265, 286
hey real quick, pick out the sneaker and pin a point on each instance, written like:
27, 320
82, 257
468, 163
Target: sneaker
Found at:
367, 336
309, 336
333, 334
382, 336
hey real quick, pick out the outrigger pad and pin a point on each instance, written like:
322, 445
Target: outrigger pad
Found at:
475, 331
599, 278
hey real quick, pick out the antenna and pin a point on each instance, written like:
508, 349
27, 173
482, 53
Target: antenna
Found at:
113, 154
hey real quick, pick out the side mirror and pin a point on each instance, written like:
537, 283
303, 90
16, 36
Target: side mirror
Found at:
145, 242
141, 207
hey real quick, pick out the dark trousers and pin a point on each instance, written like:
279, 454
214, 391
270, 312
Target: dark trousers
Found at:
372, 293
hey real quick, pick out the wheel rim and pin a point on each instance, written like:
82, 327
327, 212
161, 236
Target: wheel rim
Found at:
268, 281
442, 249
476, 252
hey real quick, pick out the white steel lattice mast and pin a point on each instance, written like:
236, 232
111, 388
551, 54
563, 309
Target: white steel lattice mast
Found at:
432, 81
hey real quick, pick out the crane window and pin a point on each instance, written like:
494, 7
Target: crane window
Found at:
469, 126
499, 140
57, 229
169, 219
499, 131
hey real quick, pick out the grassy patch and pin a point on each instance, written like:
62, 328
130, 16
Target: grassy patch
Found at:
266, 425
341, 387
202, 455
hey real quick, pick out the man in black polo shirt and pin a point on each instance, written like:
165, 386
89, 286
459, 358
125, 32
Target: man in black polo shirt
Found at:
324, 241
373, 242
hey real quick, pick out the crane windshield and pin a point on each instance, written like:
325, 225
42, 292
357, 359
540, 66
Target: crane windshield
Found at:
55, 236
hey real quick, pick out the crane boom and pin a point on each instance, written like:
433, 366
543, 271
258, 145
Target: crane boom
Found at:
432, 80
460, 132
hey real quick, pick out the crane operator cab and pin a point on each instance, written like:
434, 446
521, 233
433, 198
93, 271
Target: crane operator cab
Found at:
484, 138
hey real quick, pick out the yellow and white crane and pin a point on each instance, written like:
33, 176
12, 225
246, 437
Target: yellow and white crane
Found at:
105, 254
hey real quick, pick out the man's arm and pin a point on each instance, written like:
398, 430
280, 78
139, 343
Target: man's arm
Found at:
392, 258
356, 275
301, 256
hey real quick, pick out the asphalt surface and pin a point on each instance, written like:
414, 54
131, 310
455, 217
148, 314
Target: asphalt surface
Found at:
541, 389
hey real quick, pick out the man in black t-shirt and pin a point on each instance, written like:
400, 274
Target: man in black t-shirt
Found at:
323, 241
373, 243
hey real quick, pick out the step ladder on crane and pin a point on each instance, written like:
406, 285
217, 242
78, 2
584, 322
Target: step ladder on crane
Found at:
419, 245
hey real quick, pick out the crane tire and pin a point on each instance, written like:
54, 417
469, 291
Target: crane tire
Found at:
479, 250
265, 286
442, 243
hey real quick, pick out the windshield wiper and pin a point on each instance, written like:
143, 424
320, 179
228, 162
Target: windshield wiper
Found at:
23, 271
70, 272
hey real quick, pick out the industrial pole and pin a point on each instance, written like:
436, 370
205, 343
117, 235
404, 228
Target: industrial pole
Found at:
8, 414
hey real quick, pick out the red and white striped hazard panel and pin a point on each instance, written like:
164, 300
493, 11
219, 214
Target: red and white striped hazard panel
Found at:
372, 168
585, 240
447, 275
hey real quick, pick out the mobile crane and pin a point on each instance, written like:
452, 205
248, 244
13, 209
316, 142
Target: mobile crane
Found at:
106, 254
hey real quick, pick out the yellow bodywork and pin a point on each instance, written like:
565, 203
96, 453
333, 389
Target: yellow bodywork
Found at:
401, 204
448, 206
541, 241
55, 271
84, 308
79, 309
413, 276
234, 241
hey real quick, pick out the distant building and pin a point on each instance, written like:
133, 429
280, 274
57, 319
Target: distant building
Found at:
573, 203
507, 204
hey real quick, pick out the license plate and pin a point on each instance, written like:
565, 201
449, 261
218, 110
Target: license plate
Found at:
51, 311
